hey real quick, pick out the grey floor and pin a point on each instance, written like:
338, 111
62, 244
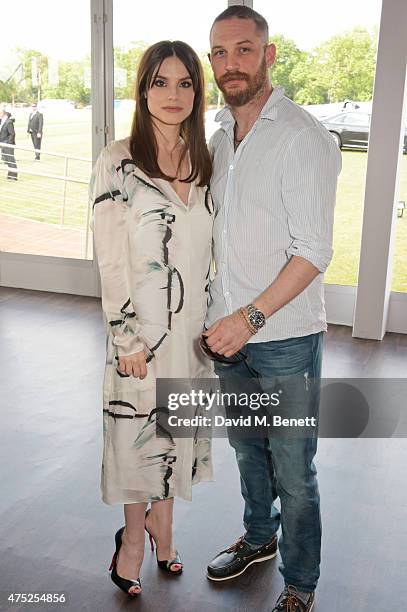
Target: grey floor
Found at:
57, 536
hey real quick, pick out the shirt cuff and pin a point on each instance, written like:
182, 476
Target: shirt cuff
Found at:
127, 345
320, 259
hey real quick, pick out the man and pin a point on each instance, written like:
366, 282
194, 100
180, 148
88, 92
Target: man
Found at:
274, 185
35, 128
8, 135
350, 105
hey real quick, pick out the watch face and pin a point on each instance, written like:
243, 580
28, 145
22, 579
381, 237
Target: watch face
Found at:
257, 319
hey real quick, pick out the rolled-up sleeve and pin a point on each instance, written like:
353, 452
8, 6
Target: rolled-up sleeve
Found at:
310, 174
109, 224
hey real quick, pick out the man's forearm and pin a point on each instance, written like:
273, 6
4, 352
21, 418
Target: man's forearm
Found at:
291, 281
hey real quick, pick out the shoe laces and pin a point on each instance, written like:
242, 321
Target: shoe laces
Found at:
236, 545
291, 601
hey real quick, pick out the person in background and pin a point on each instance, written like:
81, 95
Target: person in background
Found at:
8, 135
350, 105
35, 128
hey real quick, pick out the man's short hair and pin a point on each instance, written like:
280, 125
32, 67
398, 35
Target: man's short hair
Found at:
245, 12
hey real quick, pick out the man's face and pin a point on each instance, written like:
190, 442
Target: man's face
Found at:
240, 59
33, 108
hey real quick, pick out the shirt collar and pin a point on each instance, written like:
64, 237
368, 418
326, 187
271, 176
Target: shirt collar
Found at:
269, 110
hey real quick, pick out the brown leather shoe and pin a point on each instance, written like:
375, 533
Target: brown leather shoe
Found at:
289, 601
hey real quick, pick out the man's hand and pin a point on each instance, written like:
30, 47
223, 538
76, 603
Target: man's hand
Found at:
39, 135
134, 364
227, 336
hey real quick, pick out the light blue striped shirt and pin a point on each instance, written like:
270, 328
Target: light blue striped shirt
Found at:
274, 198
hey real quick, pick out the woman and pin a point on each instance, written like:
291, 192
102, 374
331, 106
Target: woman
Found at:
153, 230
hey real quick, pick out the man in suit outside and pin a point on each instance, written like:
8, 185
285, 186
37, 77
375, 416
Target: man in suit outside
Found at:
35, 125
8, 135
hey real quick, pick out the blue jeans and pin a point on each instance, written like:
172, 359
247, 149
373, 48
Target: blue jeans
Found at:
275, 466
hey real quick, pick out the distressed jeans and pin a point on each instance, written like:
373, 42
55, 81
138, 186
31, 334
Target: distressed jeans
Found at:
274, 466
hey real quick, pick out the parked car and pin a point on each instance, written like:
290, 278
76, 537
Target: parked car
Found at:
350, 130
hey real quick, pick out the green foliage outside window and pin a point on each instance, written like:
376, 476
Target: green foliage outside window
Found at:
341, 68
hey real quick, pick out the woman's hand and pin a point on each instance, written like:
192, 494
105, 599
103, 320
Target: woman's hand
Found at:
134, 364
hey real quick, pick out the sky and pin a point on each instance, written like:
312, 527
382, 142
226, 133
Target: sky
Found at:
65, 34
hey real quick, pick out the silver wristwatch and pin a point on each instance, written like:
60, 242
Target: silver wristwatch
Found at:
256, 317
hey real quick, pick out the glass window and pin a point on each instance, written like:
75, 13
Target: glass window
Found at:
189, 22
322, 63
399, 278
45, 211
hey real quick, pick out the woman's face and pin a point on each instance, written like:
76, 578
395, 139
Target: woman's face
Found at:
170, 98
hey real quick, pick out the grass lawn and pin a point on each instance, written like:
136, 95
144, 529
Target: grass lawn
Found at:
39, 198
348, 224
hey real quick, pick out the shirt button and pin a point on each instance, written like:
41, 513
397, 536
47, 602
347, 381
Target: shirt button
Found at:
231, 167
225, 231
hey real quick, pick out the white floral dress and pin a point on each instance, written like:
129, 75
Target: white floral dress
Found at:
154, 256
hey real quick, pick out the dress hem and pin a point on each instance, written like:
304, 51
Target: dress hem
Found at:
150, 499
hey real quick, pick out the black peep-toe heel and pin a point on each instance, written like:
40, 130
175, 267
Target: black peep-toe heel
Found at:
122, 583
167, 564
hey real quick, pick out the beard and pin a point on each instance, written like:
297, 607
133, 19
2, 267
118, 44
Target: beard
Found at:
255, 83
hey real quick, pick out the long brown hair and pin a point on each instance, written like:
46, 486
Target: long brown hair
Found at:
143, 144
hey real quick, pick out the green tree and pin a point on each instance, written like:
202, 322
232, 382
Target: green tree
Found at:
212, 93
6, 91
287, 58
347, 65
309, 88
128, 60
25, 90
342, 67
72, 84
